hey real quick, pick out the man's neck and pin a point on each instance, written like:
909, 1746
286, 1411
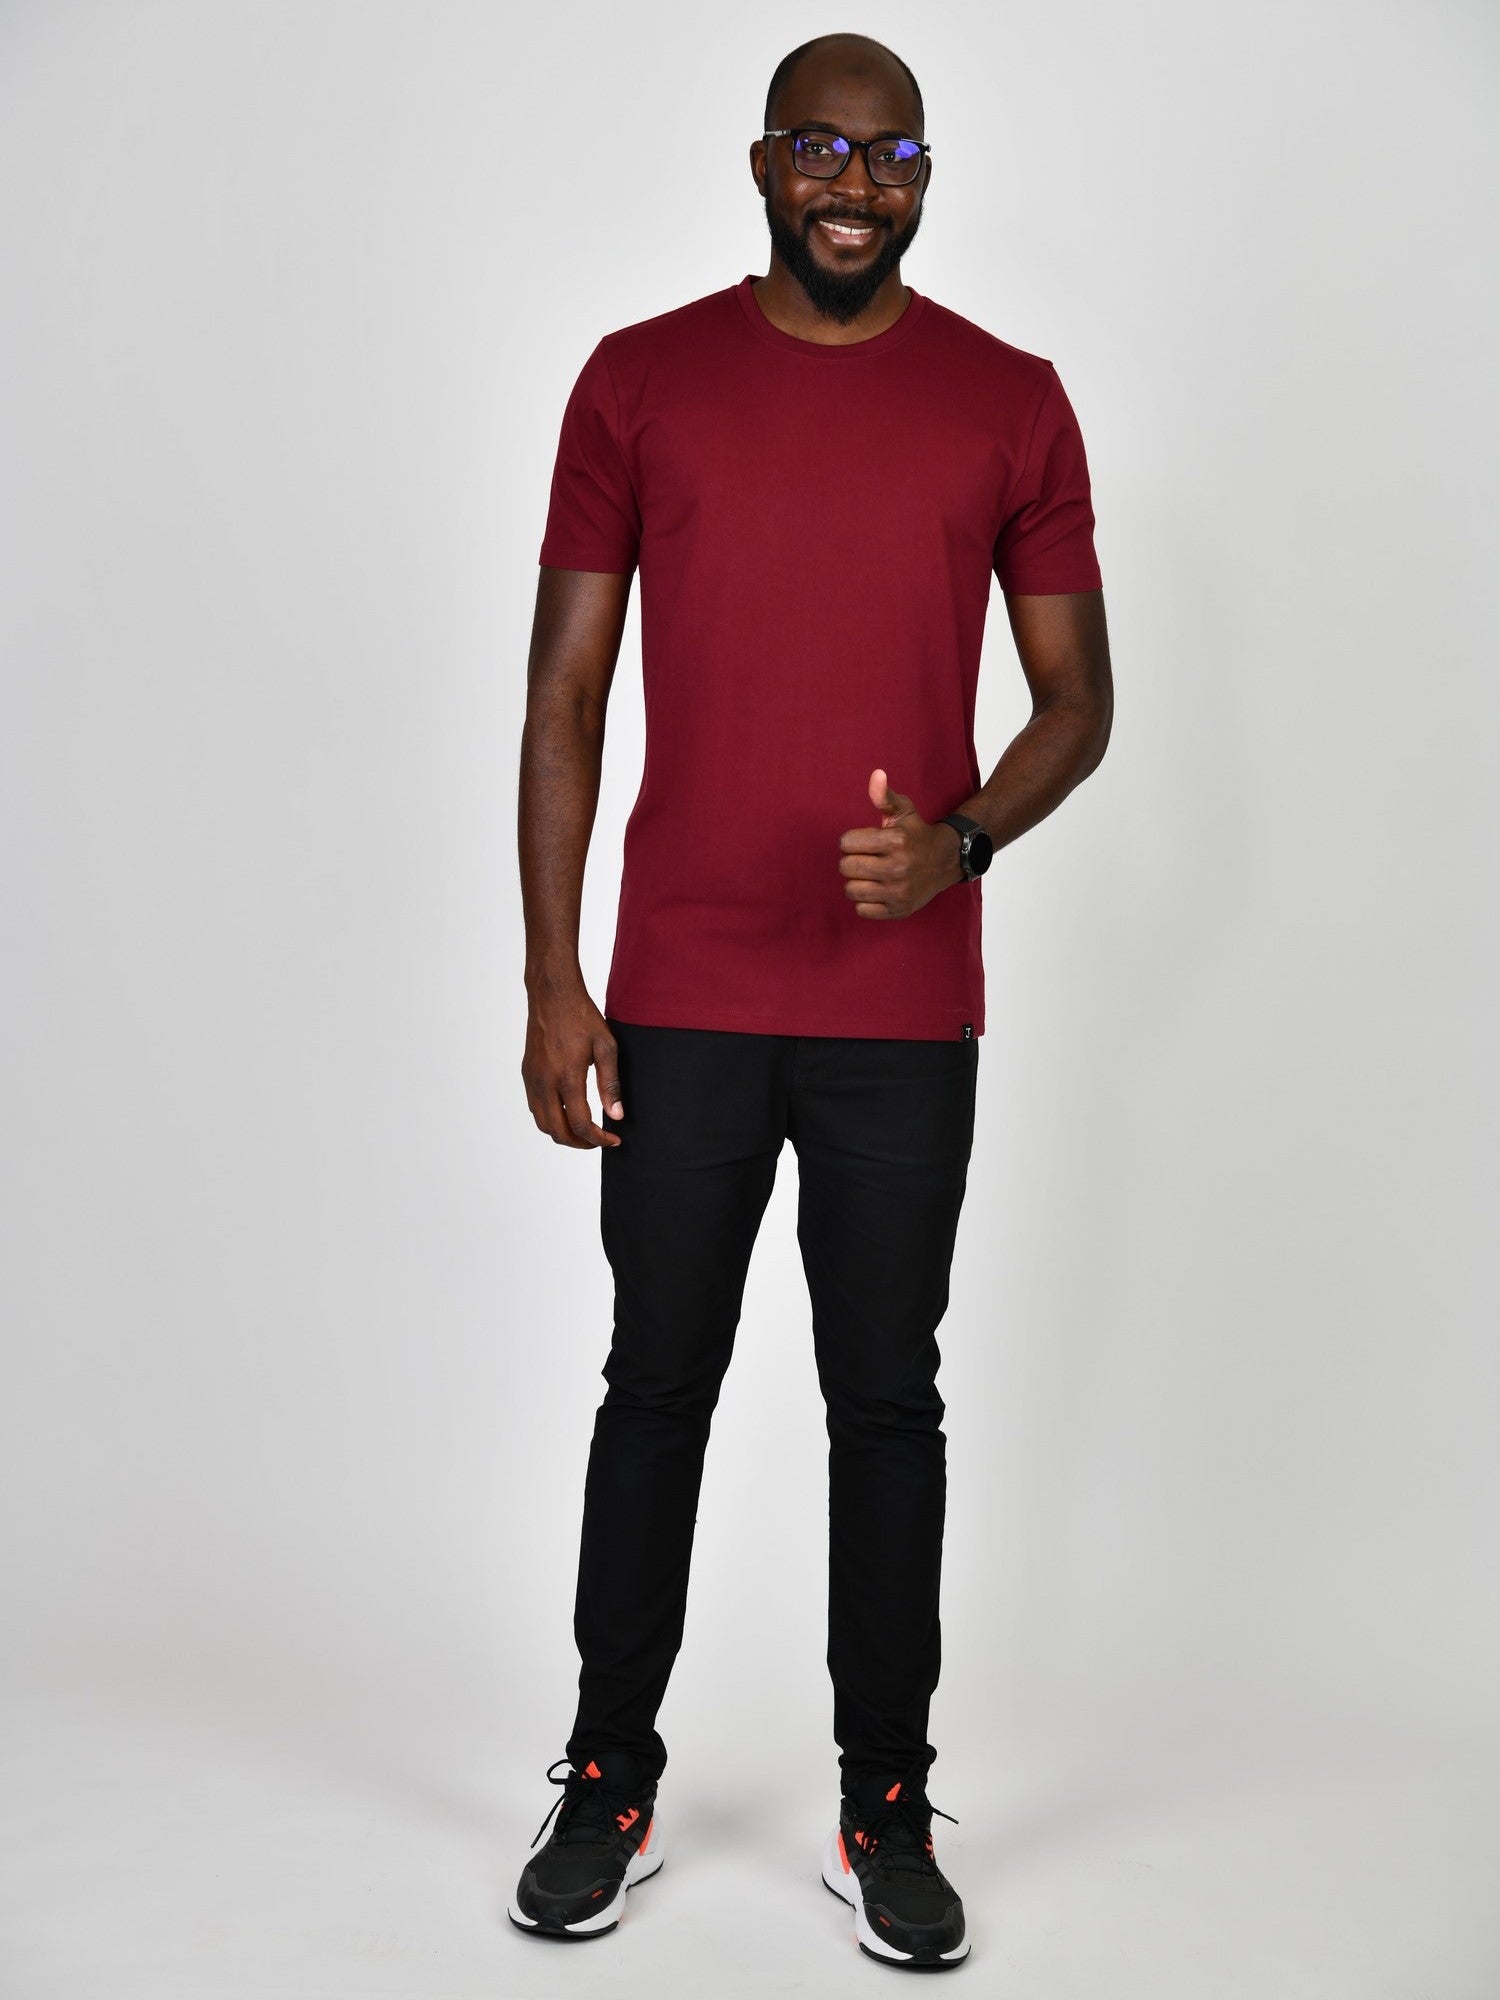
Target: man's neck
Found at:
788, 307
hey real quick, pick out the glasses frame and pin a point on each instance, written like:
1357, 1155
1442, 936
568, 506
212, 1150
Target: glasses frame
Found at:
794, 133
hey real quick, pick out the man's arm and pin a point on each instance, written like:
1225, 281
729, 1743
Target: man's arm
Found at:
895, 869
575, 642
1064, 651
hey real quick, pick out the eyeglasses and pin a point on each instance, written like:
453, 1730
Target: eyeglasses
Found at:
823, 155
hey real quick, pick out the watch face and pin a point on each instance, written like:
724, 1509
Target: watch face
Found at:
981, 852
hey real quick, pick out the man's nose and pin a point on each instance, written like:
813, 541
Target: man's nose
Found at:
854, 181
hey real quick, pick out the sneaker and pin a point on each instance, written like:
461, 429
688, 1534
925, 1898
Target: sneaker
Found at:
879, 1858
605, 1840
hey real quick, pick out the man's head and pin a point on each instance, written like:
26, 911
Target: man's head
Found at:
859, 89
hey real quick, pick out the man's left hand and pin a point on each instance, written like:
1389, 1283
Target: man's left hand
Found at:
892, 869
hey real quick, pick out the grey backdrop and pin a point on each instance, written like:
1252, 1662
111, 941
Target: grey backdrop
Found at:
304, 1318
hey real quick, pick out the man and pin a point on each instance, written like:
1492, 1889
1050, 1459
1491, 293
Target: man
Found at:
817, 473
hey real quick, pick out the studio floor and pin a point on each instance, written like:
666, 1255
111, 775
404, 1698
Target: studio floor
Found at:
153, 1849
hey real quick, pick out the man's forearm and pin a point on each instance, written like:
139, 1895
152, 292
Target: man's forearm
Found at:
562, 749
1057, 750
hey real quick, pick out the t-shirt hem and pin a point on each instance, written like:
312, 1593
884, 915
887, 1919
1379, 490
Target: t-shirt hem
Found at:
1049, 586
947, 1026
590, 559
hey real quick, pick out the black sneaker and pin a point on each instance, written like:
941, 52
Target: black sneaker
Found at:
605, 1840
879, 1858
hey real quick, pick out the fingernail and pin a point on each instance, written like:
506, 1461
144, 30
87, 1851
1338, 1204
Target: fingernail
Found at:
617, 1110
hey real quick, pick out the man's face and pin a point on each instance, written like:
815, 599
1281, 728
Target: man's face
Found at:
840, 273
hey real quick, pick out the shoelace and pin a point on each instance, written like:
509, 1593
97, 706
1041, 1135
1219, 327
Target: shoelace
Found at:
896, 1828
589, 1806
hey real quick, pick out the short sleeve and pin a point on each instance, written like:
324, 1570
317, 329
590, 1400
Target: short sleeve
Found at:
1046, 542
593, 519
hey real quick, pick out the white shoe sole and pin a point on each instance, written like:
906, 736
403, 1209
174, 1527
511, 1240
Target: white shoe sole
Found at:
639, 1868
844, 1882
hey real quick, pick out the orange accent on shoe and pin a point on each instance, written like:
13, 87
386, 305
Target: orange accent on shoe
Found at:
894, 1789
646, 1837
886, 1921
591, 1770
628, 1820
596, 1895
843, 1853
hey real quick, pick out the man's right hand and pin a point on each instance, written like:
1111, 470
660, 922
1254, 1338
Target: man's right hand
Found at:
565, 1034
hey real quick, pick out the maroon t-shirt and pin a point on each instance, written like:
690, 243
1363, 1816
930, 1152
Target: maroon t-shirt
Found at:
816, 529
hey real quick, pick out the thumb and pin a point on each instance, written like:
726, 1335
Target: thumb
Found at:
885, 798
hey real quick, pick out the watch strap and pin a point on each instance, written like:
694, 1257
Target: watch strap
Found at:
965, 828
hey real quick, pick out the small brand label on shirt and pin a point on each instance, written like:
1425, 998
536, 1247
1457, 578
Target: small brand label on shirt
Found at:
968, 1034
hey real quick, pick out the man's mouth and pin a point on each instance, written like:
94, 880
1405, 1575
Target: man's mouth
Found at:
850, 234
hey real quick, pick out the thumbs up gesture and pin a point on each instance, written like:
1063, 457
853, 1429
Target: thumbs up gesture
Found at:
892, 869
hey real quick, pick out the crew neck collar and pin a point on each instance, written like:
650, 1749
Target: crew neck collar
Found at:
818, 350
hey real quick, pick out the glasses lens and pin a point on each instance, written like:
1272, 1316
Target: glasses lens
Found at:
820, 154
895, 161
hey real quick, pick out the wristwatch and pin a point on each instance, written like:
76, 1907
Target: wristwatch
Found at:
975, 848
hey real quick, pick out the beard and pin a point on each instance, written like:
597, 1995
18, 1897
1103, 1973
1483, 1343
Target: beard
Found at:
841, 295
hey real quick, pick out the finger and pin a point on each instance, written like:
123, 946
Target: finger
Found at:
551, 1115
546, 1106
607, 1070
871, 910
869, 868
580, 1115
886, 798
576, 1124
869, 840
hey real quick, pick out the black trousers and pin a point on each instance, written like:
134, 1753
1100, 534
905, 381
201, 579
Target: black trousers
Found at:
882, 1130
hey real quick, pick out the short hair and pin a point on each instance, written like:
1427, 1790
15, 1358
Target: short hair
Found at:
789, 62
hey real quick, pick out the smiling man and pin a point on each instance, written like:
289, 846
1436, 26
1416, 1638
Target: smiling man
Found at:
818, 475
